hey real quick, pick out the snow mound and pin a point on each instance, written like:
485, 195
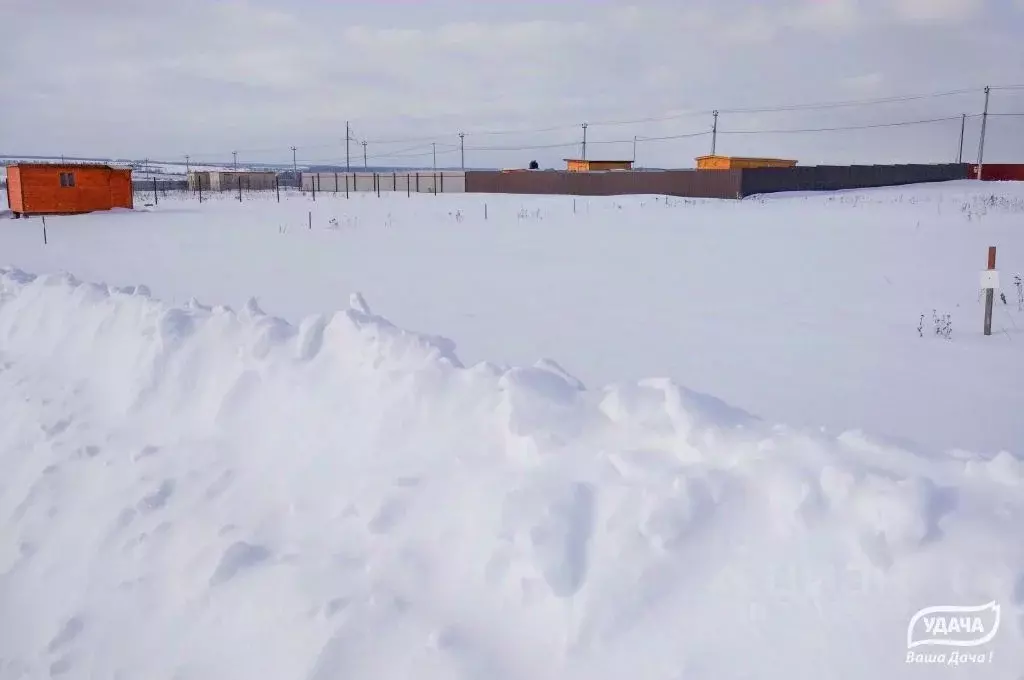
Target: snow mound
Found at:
197, 492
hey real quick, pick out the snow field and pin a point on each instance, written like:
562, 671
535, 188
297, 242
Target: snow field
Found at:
191, 491
801, 309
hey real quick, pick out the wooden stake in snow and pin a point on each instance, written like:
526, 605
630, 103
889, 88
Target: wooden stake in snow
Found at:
44, 230
310, 219
990, 281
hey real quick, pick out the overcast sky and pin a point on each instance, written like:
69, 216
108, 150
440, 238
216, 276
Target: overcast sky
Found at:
161, 79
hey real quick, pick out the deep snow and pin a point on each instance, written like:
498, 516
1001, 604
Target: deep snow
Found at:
200, 493
801, 309
194, 492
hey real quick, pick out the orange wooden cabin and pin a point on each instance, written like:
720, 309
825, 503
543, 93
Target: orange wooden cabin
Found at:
48, 189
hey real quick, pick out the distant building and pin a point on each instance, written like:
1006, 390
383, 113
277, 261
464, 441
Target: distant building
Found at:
580, 165
230, 180
52, 189
738, 163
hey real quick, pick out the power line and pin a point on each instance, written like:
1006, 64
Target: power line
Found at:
852, 102
663, 118
875, 101
790, 107
668, 137
528, 147
838, 128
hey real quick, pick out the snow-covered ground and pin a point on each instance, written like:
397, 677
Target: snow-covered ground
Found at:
803, 310
194, 492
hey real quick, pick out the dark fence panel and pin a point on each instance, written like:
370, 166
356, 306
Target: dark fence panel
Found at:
692, 183
837, 177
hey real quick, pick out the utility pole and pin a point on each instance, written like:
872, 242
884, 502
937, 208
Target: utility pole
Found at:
348, 138
714, 132
963, 124
235, 155
634, 149
584, 141
981, 143
295, 163
188, 169
365, 163
433, 148
462, 148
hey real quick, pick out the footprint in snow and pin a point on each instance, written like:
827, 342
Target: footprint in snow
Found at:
68, 632
238, 557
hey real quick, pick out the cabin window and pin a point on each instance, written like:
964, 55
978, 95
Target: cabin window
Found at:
67, 179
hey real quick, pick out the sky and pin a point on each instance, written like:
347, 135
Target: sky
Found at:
144, 79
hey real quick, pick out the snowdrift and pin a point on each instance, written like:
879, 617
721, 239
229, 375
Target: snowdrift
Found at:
195, 492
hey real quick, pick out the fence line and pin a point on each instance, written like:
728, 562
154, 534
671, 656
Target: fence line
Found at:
690, 183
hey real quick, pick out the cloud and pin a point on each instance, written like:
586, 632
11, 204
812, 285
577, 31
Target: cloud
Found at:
204, 77
941, 11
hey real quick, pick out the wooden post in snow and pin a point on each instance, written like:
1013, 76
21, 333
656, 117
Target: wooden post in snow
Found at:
310, 219
44, 230
990, 281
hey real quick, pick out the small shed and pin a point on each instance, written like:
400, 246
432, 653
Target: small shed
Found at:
740, 163
52, 189
582, 165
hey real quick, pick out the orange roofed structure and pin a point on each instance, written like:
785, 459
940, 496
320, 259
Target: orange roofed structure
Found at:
51, 189
739, 163
581, 165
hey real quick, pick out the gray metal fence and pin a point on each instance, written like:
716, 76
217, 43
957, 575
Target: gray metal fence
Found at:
693, 183
837, 177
